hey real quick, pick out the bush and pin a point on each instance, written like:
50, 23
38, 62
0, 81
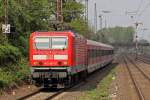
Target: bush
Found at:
23, 45
14, 73
3, 39
9, 54
6, 78
23, 71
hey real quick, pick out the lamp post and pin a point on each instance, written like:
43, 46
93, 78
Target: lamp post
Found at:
136, 24
87, 10
95, 17
106, 12
101, 26
101, 21
136, 37
143, 29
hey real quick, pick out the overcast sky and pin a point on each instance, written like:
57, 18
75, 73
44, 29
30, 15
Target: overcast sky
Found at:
118, 16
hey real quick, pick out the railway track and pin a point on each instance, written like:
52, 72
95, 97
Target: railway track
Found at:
41, 94
139, 68
140, 79
144, 59
47, 94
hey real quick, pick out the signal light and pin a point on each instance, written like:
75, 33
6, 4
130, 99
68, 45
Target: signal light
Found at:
35, 63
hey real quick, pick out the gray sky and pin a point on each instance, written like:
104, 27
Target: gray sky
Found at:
118, 17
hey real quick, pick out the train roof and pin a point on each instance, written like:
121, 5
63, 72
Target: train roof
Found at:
98, 44
57, 32
76, 34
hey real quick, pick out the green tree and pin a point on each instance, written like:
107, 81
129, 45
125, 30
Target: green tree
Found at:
117, 35
80, 26
27, 16
72, 10
34, 15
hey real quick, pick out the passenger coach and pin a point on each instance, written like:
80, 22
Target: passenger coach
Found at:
62, 58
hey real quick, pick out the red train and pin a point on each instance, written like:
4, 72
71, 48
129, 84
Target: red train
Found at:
62, 58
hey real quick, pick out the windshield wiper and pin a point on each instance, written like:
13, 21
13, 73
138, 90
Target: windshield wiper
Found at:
35, 46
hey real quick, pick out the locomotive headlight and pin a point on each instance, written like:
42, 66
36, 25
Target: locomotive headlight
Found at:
65, 62
39, 57
60, 57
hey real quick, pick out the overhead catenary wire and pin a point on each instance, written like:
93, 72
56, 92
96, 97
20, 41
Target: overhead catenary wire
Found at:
139, 7
138, 12
145, 8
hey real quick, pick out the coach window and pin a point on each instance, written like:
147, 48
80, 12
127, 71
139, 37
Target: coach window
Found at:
107, 52
98, 53
93, 53
41, 43
103, 52
89, 53
59, 42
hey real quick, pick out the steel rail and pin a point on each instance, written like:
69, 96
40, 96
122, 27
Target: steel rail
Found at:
51, 96
55, 94
64, 90
139, 92
29, 95
143, 73
39, 91
76, 85
145, 60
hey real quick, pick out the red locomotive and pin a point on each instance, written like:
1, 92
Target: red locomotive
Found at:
62, 58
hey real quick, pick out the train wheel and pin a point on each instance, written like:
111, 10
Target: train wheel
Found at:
37, 84
84, 75
76, 78
54, 86
46, 83
69, 82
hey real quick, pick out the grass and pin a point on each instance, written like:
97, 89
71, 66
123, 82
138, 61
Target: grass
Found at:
101, 91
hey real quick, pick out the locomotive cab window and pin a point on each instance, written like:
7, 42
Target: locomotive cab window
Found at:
41, 43
59, 42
